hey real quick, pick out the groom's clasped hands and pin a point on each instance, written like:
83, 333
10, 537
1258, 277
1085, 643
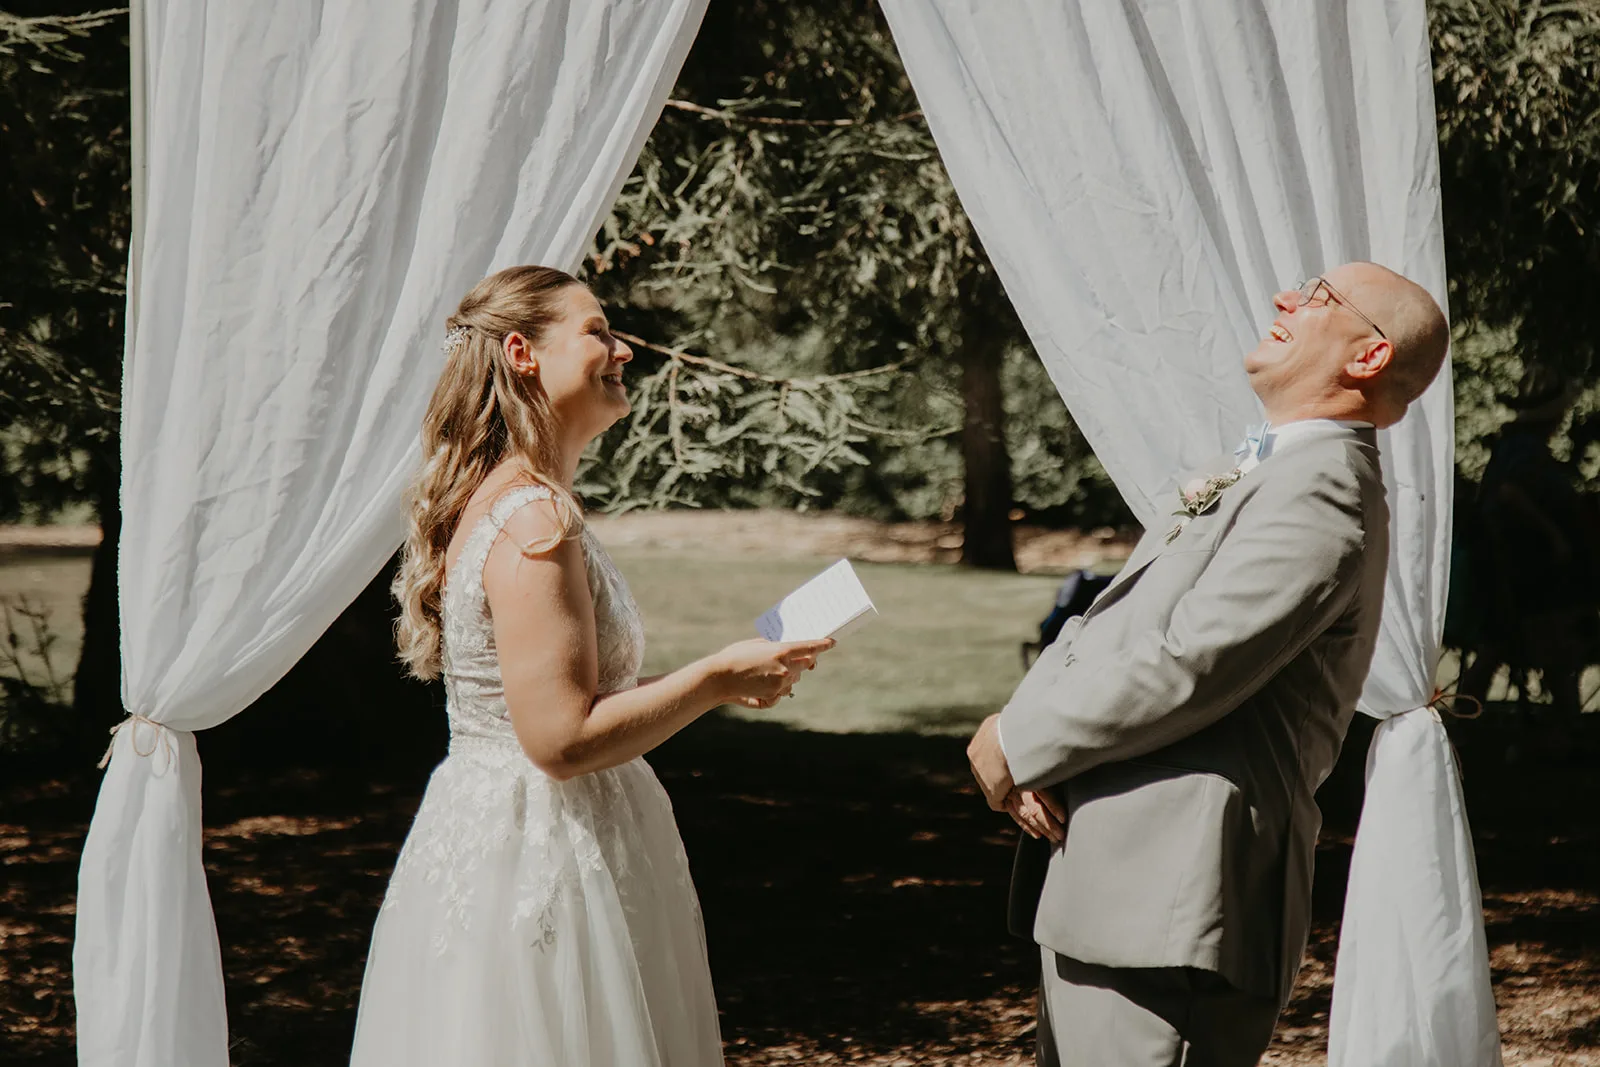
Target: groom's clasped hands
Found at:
1038, 812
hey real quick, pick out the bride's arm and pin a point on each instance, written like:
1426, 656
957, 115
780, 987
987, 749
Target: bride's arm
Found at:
544, 632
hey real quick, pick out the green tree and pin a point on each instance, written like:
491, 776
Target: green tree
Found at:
791, 214
64, 194
1517, 91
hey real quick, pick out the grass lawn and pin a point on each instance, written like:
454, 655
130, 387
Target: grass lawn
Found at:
51, 581
942, 654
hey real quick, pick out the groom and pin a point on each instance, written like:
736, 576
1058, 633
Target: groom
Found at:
1165, 749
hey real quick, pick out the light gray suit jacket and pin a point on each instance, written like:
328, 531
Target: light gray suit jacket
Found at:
1190, 714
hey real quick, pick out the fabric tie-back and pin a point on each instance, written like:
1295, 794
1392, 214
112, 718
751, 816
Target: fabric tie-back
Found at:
324, 182
1144, 175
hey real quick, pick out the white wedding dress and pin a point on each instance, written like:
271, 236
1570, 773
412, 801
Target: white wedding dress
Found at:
531, 921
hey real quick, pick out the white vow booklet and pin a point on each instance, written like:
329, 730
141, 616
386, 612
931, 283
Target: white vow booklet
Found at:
822, 607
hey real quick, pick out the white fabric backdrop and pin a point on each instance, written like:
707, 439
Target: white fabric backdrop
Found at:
325, 181
1144, 175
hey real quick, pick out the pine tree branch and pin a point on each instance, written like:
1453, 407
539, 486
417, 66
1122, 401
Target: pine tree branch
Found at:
680, 356
768, 120
46, 30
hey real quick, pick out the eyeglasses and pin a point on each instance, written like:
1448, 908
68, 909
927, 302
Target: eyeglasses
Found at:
1311, 296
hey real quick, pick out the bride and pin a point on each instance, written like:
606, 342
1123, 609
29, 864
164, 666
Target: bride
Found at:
541, 910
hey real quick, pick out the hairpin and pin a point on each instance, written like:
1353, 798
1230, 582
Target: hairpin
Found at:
453, 337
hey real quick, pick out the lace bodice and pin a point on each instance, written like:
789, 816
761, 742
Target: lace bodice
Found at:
496, 840
477, 699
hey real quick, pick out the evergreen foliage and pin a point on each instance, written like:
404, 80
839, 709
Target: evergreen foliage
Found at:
1517, 93
64, 195
791, 215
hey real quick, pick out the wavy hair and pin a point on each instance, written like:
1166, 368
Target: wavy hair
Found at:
482, 413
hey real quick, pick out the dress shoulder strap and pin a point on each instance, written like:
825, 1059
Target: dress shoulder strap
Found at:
510, 502
482, 538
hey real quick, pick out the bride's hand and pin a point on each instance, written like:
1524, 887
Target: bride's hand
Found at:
758, 673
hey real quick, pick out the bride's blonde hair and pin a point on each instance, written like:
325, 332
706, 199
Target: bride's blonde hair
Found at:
482, 413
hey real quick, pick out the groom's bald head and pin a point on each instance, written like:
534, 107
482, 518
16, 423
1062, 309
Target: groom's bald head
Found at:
1414, 324
1367, 344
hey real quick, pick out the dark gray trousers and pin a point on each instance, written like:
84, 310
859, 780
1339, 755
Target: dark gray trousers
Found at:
1093, 1016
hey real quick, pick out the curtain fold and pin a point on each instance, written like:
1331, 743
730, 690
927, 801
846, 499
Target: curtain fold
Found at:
325, 180
1144, 175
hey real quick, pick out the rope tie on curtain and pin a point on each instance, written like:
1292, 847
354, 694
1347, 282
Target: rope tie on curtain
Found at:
1438, 703
1442, 700
163, 740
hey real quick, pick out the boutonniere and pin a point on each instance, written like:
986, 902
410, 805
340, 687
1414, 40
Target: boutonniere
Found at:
1198, 497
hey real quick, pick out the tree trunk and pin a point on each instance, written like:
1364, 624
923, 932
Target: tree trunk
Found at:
97, 691
986, 464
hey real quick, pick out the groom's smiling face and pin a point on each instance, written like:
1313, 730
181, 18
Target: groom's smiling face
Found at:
1307, 346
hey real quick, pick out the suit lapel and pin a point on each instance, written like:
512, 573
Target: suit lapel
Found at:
1154, 542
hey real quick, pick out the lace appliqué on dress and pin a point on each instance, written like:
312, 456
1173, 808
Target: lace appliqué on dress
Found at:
489, 816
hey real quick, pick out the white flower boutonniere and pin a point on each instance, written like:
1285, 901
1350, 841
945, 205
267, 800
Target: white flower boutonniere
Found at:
1198, 497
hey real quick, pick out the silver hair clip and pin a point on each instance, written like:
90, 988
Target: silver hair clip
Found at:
452, 338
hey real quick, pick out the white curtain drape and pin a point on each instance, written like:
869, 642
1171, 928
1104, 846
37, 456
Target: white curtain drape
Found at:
1144, 174
325, 180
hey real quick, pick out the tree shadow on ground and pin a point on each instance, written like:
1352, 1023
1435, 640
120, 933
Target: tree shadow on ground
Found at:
853, 888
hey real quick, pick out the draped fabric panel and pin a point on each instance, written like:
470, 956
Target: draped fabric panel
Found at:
325, 181
1144, 175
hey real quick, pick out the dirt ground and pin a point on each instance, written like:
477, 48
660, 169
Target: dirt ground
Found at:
853, 885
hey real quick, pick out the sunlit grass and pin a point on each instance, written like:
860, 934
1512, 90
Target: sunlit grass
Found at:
942, 654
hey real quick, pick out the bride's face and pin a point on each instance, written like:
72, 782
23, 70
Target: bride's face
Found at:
579, 364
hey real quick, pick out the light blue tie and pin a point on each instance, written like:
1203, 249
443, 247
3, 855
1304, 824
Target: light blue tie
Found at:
1255, 437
